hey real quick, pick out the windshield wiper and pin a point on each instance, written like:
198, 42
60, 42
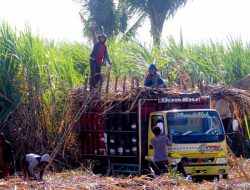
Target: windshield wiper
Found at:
187, 133
210, 130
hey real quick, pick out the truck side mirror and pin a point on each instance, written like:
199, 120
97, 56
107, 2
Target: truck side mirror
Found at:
235, 125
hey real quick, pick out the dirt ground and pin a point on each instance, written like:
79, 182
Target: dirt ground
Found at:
79, 179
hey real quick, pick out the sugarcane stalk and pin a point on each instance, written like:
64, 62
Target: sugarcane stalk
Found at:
70, 128
132, 83
100, 85
124, 84
247, 126
107, 84
237, 163
85, 84
116, 82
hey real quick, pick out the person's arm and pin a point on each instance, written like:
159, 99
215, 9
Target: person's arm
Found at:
93, 27
152, 144
42, 172
161, 82
169, 139
107, 56
147, 81
31, 167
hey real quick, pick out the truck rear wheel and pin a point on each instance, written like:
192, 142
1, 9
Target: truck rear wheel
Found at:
102, 167
225, 176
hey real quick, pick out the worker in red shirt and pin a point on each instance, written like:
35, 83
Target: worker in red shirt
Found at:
98, 57
6, 156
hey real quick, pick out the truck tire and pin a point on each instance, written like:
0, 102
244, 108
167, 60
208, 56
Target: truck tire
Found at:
146, 168
102, 167
225, 176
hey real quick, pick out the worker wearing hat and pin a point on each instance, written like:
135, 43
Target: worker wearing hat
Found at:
33, 161
98, 57
154, 79
6, 155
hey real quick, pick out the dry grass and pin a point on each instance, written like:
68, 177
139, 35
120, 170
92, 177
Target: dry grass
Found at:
74, 180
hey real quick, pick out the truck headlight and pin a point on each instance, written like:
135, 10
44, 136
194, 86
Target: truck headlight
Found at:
221, 160
175, 161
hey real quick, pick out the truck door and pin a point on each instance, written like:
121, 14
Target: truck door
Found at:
156, 120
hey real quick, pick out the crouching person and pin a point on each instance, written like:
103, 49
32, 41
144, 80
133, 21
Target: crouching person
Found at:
32, 162
6, 156
181, 168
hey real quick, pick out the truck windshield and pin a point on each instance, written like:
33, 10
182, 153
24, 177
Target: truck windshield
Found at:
195, 126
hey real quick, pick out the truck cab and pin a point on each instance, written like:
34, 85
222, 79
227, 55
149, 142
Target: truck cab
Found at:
198, 134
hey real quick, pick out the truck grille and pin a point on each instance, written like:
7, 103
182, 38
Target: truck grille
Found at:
200, 160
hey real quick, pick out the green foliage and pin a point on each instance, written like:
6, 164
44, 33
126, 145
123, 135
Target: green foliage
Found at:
38, 73
157, 11
112, 17
10, 96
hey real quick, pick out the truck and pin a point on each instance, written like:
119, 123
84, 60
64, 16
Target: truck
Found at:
116, 135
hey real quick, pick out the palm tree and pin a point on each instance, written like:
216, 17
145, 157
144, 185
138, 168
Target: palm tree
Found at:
111, 16
157, 11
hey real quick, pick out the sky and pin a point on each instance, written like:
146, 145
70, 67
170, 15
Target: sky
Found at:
199, 20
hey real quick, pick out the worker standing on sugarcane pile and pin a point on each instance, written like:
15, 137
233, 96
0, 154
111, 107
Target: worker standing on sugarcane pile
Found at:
223, 107
160, 143
32, 162
226, 114
154, 79
6, 156
98, 57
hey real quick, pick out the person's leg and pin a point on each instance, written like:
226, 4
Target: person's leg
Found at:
156, 168
6, 169
161, 167
164, 166
226, 123
1, 169
25, 165
99, 77
92, 75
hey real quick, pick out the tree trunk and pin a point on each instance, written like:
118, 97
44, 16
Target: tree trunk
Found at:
157, 17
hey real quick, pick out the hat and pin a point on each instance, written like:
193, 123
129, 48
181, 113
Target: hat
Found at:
102, 35
45, 158
152, 66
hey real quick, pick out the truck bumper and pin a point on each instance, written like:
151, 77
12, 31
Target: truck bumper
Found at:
207, 170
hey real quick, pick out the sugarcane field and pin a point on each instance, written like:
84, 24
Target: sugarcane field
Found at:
115, 112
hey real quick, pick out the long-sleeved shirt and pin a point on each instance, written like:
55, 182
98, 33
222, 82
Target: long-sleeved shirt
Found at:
33, 160
154, 81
